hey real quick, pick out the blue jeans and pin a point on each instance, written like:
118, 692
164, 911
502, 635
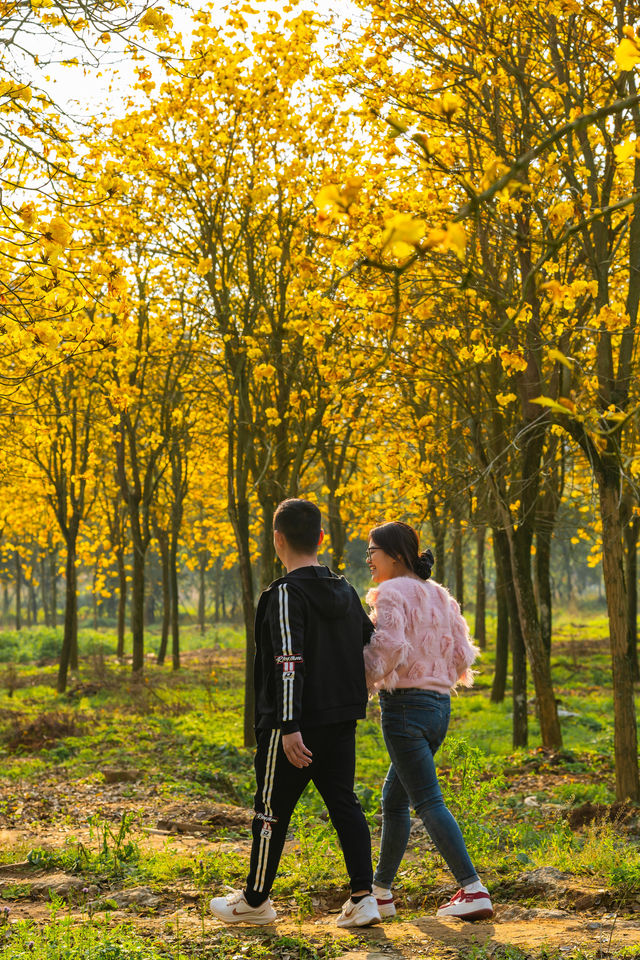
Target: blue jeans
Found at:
414, 724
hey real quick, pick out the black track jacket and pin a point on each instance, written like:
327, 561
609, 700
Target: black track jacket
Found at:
309, 668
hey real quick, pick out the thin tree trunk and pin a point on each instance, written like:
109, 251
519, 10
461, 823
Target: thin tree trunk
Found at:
520, 734
202, 588
480, 628
502, 628
122, 602
439, 551
566, 555
238, 507
543, 584
74, 665
54, 589
44, 590
33, 596
519, 691
270, 566
94, 598
520, 549
625, 730
458, 560
27, 584
18, 569
137, 606
631, 533
175, 598
70, 636
337, 531
239, 514
161, 537
549, 500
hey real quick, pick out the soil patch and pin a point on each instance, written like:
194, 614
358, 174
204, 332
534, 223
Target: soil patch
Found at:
587, 813
208, 820
42, 732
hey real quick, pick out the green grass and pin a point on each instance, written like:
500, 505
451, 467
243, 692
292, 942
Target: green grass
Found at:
41, 644
99, 938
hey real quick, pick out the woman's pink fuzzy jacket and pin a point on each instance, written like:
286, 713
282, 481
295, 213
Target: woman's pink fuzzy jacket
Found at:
421, 639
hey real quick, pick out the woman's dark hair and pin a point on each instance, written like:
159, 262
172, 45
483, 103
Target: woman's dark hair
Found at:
300, 522
401, 542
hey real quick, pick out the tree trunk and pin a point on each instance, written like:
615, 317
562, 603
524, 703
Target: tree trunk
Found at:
270, 566
238, 507
439, 551
175, 598
94, 599
520, 737
33, 598
520, 734
161, 537
458, 560
480, 628
631, 533
502, 627
239, 515
28, 604
337, 531
520, 550
543, 584
18, 569
150, 588
625, 730
6, 603
122, 602
44, 590
202, 591
70, 636
137, 607
73, 655
549, 500
54, 589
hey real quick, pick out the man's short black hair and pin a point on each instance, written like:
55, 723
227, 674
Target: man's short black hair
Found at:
300, 522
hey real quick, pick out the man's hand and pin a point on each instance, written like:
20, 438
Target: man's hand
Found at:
295, 750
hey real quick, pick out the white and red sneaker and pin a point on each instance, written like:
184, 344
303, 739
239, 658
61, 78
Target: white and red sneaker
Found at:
386, 906
467, 906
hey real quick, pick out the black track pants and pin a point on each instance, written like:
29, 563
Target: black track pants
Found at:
279, 787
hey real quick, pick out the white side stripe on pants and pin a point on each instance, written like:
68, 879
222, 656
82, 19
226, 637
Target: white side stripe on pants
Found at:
267, 791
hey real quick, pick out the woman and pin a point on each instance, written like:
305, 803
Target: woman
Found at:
419, 651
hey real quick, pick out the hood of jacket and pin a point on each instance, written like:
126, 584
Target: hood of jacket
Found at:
325, 591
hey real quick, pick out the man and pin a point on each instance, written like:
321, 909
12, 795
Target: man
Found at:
310, 691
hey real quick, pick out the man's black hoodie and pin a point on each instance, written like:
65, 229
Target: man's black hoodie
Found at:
309, 668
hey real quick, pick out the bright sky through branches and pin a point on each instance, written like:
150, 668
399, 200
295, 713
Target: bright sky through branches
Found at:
89, 87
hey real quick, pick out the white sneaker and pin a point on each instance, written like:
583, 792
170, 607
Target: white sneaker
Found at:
235, 909
467, 906
386, 906
360, 914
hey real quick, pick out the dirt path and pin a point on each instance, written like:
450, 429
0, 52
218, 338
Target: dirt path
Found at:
587, 920
181, 912
531, 931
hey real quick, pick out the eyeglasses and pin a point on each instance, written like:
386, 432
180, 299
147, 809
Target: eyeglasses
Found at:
369, 551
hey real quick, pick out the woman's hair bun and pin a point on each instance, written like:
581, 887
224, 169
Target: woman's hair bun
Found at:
424, 564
